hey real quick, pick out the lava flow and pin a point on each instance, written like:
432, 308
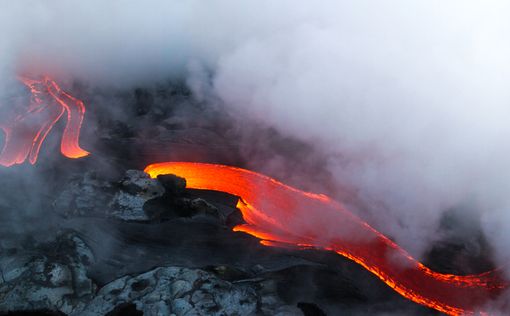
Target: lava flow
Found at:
25, 130
282, 215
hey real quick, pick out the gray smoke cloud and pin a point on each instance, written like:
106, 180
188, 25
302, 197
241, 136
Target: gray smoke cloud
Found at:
409, 100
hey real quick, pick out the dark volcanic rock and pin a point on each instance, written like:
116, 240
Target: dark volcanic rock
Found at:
41, 312
310, 309
91, 197
181, 291
54, 277
135, 189
173, 185
86, 195
125, 309
49, 276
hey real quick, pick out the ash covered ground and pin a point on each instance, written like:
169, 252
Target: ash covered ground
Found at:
97, 236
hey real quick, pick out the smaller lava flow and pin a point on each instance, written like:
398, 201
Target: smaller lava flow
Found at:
281, 215
25, 130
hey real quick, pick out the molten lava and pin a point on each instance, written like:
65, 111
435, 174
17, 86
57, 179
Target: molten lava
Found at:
282, 215
26, 130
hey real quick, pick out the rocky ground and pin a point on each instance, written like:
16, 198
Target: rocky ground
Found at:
57, 280
140, 246
97, 236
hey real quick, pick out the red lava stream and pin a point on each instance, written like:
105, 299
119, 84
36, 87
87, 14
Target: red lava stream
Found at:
282, 215
26, 130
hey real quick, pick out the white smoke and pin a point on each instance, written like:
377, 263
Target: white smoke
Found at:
412, 97
409, 99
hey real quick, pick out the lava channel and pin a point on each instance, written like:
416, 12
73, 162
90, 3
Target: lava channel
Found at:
25, 130
281, 215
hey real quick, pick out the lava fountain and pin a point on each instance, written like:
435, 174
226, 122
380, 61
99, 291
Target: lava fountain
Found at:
25, 130
282, 215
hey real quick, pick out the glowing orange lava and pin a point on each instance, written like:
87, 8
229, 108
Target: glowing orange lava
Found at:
282, 215
25, 131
